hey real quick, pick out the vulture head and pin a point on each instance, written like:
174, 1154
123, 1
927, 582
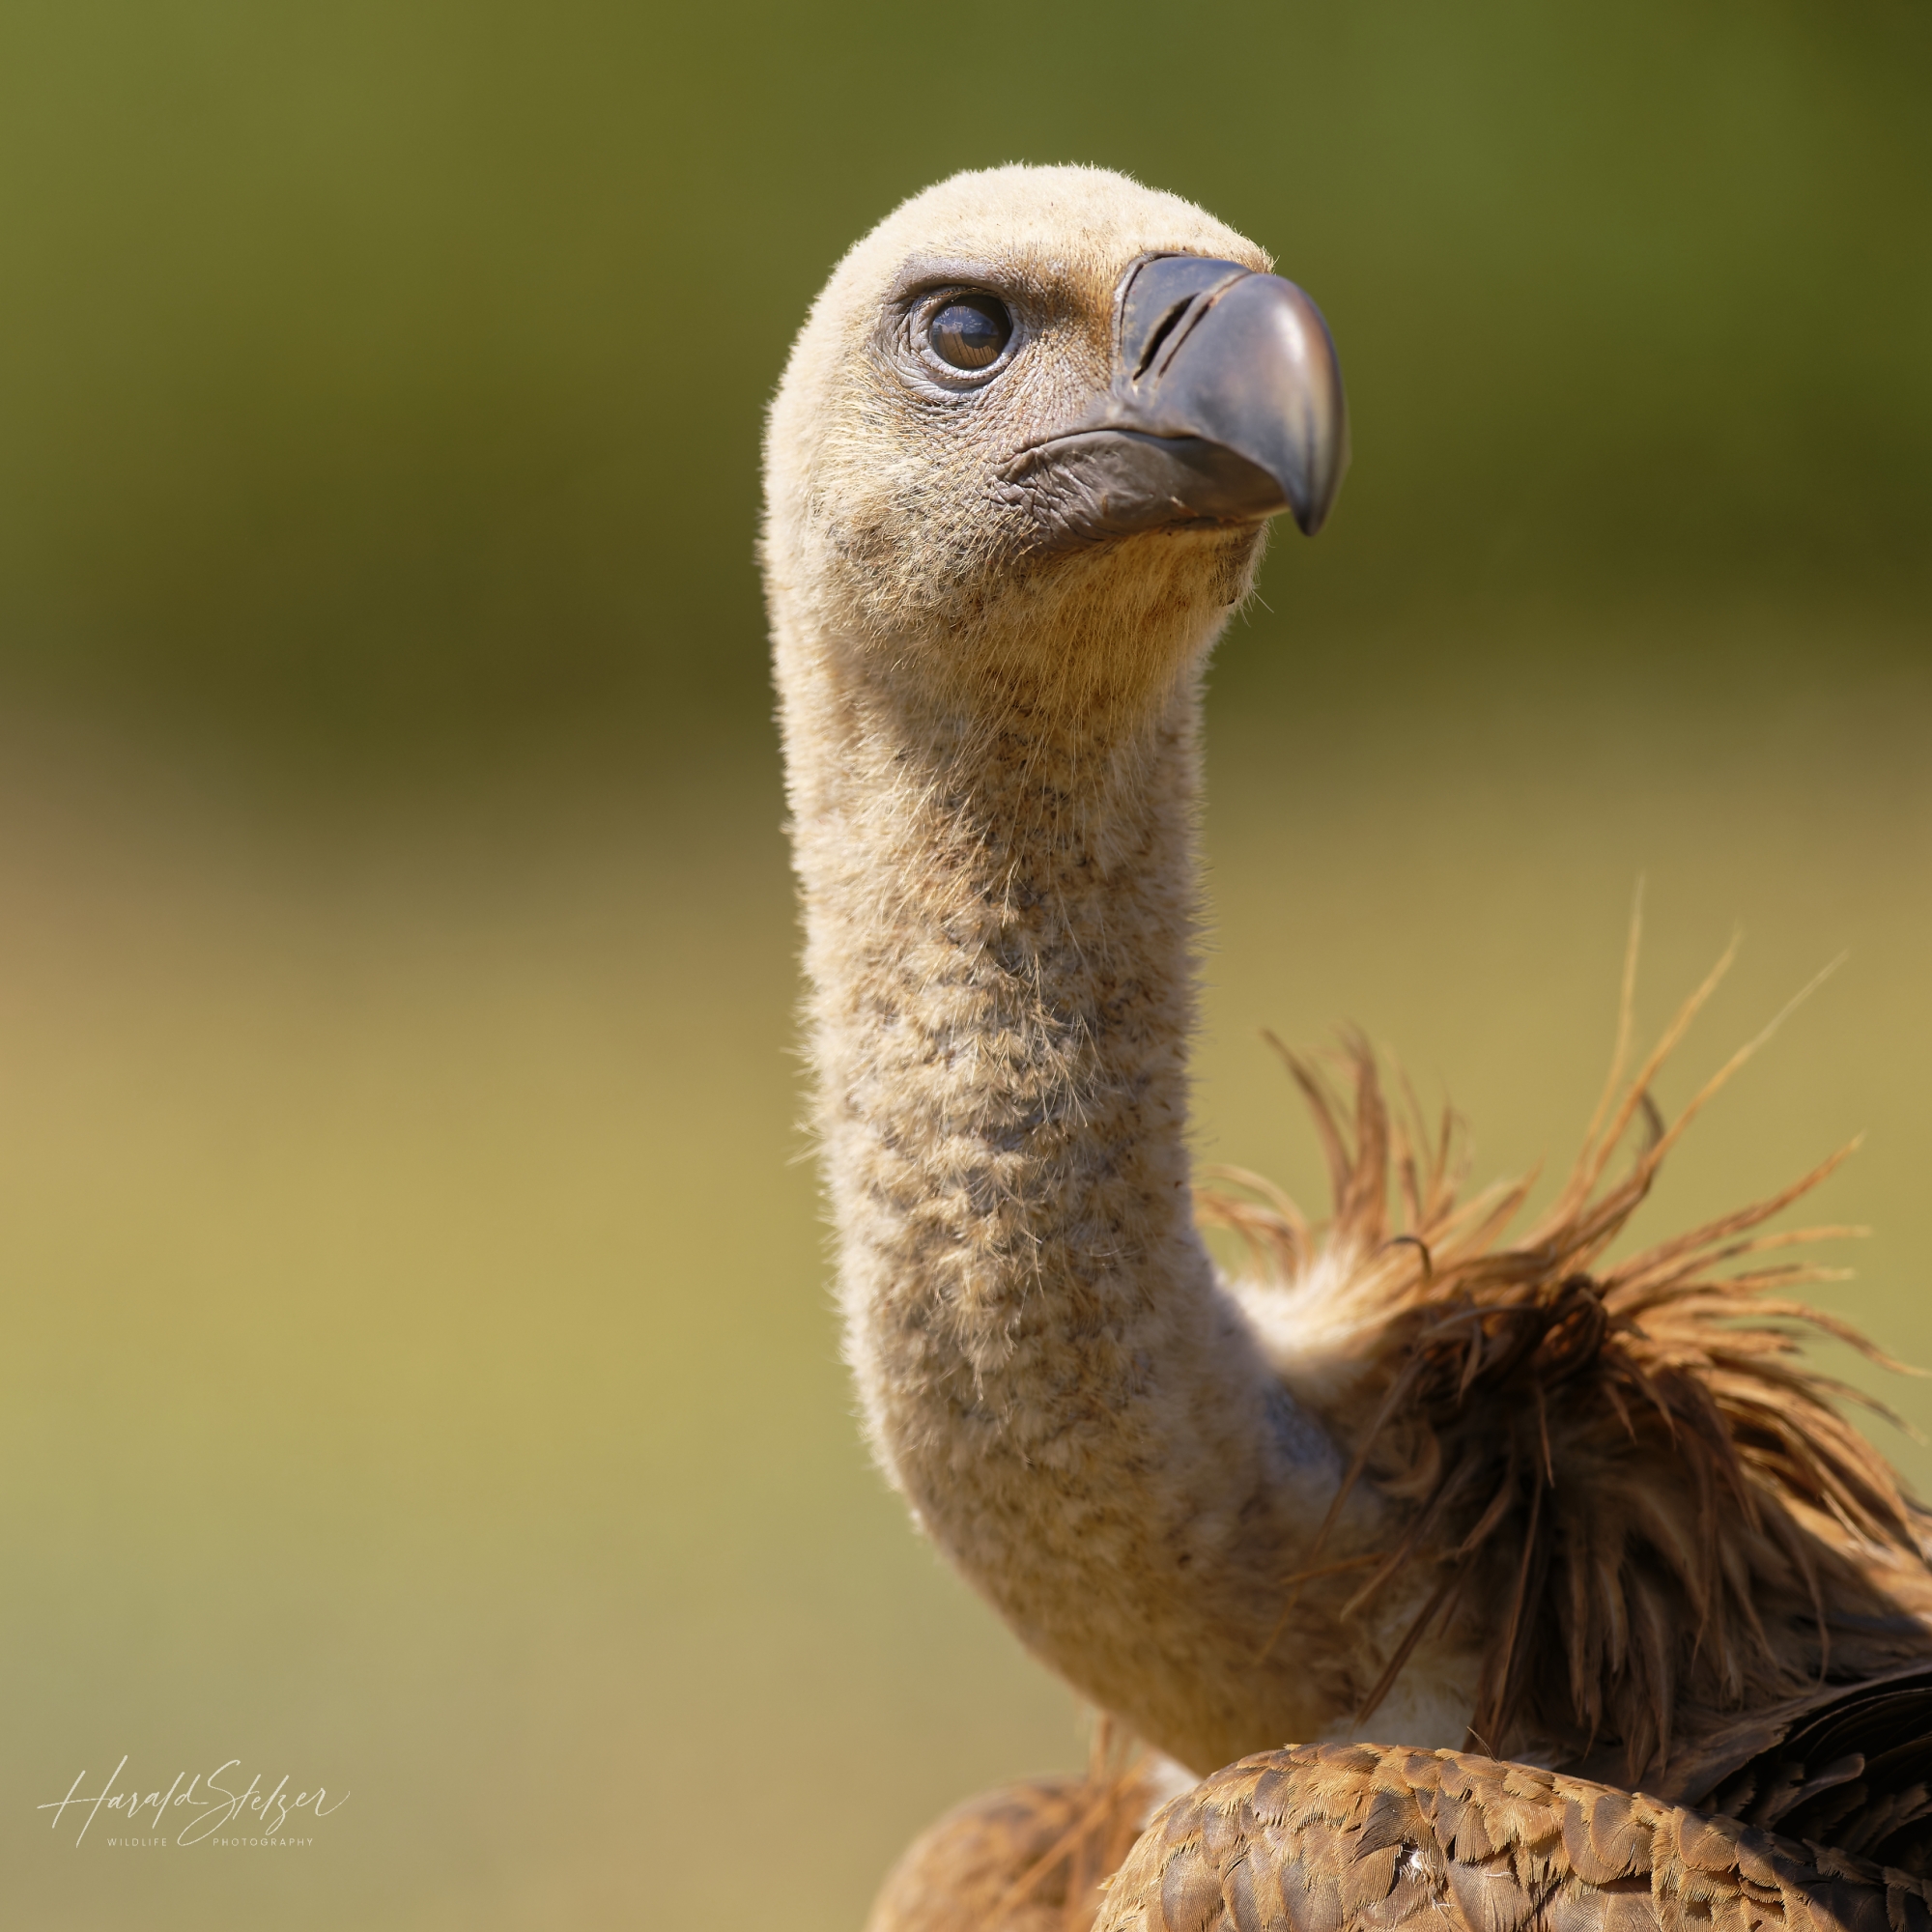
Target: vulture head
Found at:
1034, 432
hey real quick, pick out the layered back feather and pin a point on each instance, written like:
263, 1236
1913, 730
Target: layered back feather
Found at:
1331, 1837
1622, 1475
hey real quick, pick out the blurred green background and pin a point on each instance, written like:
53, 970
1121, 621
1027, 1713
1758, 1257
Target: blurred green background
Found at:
418, 1376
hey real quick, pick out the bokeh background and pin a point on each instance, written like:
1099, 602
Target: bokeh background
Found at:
418, 1373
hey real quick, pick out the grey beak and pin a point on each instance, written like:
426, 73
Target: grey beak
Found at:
1226, 406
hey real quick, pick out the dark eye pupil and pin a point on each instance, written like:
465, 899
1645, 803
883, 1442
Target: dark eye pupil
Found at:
971, 331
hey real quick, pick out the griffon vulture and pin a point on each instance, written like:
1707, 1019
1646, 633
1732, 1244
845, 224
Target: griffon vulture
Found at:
1419, 1481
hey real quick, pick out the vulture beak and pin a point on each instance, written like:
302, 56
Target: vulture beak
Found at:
1226, 406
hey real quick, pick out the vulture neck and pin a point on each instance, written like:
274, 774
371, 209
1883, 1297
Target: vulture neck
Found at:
1001, 919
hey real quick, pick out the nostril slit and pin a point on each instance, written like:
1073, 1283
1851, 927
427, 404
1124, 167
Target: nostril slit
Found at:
1162, 330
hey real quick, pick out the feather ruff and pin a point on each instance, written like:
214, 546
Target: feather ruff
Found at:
1622, 1473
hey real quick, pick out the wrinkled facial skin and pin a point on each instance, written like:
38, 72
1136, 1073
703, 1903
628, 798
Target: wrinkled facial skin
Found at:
936, 529
889, 523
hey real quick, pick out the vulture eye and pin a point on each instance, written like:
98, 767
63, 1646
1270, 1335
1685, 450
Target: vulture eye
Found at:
970, 332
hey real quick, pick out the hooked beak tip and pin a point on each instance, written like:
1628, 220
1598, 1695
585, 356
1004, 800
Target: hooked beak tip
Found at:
1226, 406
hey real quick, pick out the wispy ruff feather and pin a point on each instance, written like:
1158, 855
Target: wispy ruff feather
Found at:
1625, 1475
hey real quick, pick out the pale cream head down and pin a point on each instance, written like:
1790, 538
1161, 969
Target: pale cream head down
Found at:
884, 530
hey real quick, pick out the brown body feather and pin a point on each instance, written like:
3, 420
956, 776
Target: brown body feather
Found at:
1031, 1857
1016, 1859
1328, 1837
